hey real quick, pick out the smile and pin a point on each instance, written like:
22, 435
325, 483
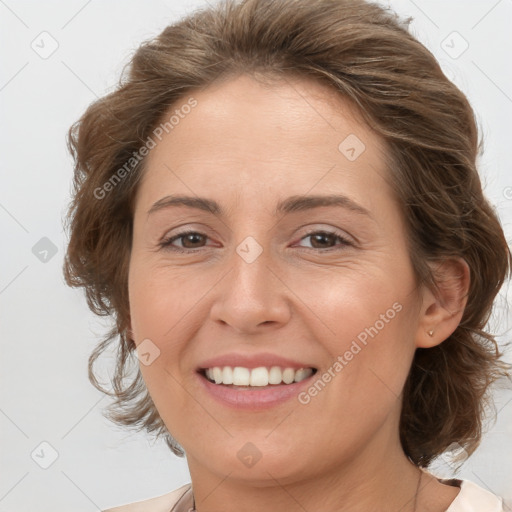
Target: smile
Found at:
253, 387
256, 377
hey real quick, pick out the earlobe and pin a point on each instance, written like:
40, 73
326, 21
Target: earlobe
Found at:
442, 310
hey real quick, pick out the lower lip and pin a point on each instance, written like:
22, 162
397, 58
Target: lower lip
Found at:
253, 398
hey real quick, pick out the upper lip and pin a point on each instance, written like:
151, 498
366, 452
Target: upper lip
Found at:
252, 361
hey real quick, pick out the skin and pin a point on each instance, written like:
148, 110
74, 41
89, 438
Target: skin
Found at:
248, 145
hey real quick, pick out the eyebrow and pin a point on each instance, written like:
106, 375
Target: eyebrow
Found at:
288, 205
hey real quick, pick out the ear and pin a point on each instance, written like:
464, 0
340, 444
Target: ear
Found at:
441, 314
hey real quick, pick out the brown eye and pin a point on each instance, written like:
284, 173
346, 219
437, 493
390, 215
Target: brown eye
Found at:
322, 240
190, 240
326, 240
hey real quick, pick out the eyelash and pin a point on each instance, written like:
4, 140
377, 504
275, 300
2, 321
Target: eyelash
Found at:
167, 243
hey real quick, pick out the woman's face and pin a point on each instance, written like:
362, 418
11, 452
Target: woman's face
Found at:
272, 278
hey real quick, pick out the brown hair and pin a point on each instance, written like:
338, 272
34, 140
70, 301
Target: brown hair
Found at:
366, 53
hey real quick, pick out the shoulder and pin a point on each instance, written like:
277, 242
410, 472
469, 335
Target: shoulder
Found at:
473, 498
158, 504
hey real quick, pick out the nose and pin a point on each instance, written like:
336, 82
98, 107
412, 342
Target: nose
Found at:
252, 295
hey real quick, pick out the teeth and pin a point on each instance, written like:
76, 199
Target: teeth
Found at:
227, 375
217, 375
275, 375
288, 375
241, 376
302, 374
257, 377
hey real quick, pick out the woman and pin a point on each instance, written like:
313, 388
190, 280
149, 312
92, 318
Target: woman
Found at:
280, 208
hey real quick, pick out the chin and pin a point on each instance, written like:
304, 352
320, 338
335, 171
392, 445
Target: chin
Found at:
259, 462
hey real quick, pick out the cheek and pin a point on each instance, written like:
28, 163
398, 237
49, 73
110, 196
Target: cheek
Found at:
369, 334
154, 311
161, 298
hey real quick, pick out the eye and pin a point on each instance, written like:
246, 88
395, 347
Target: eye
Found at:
190, 240
323, 239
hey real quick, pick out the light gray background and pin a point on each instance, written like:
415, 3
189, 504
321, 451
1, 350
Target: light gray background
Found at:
46, 330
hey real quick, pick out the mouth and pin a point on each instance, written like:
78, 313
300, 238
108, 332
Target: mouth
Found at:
242, 378
253, 381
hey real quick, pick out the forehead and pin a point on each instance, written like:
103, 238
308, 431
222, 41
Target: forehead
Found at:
245, 135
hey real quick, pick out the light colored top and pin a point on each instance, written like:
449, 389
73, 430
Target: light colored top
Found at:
164, 503
471, 498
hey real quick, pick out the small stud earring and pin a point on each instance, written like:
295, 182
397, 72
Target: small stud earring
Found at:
430, 333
